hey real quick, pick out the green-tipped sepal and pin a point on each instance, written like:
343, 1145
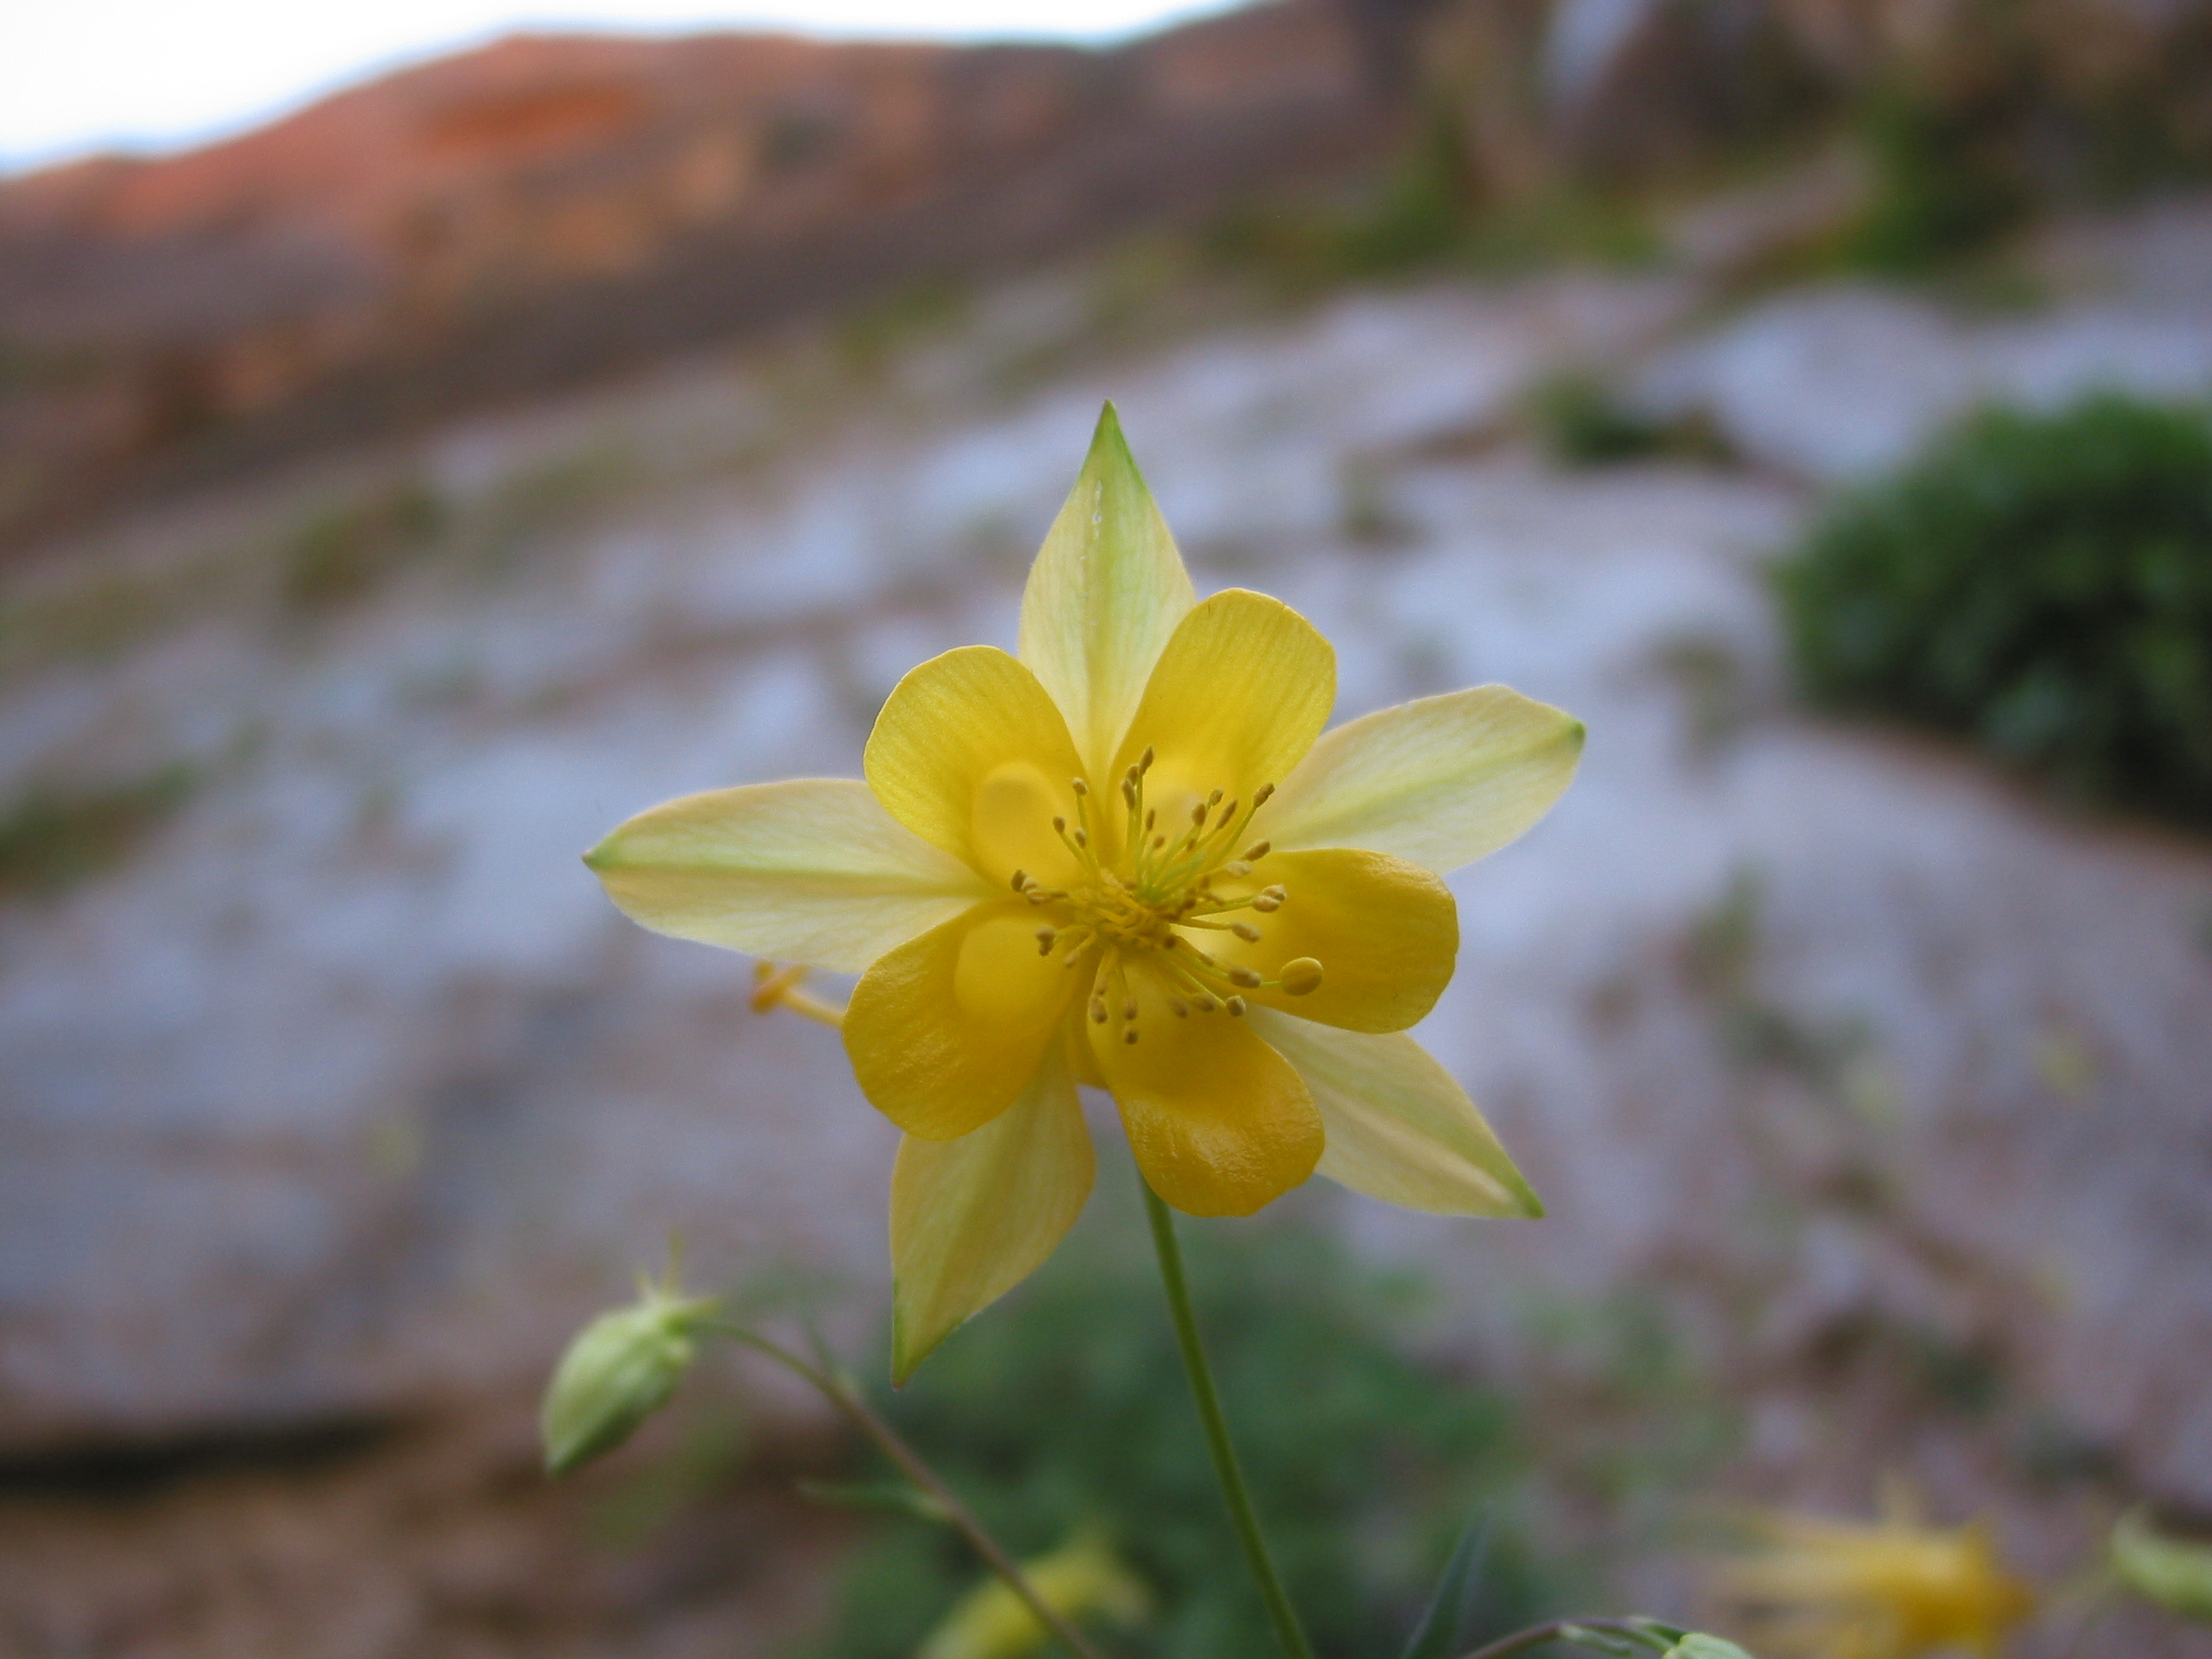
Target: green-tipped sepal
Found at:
622, 1369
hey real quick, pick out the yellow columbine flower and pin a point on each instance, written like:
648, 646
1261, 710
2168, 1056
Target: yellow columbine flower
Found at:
1895, 1588
1120, 858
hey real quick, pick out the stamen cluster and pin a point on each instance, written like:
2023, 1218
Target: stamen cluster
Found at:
1125, 914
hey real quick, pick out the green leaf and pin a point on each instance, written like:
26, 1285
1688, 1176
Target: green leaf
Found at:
2174, 1574
1438, 1635
1698, 1645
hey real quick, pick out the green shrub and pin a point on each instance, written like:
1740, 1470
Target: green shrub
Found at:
1069, 1405
1948, 182
53, 839
2039, 583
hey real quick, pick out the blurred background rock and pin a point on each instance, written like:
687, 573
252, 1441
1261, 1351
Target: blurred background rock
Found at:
393, 498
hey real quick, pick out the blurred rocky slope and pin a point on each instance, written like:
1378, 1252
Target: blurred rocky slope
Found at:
332, 1093
335, 1092
547, 209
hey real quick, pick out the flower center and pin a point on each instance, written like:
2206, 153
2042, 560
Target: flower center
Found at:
1136, 913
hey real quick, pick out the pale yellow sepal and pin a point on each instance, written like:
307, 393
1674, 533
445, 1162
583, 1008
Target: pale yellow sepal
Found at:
1105, 593
972, 1218
1440, 782
810, 871
1399, 1127
1083, 1578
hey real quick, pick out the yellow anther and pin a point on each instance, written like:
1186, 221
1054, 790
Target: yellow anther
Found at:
1021, 880
1130, 1008
1266, 902
1144, 761
1046, 940
1128, 1034
1207, 1001
1182, 1009
1259, 796
1249, 977
1098, 1012
1237, 866
1257, 851
1300, 977
1080, 787
1245, 931
1235, 1007
1213, 800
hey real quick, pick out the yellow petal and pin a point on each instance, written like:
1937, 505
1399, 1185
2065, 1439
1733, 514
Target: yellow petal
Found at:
946, 1031
1440, 782
972, 1218
970, 755
1105, 593
810, 871
1239, 694
1399, 1127
1219, 1123
1385, 933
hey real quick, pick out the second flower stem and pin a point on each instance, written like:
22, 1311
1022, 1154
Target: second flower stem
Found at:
854, 1406
1281, 1612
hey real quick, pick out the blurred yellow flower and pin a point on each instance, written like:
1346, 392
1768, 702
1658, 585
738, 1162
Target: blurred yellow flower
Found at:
1126, 857
1893, 1589
1082, 1579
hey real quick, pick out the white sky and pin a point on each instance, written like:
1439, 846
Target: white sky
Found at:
83, 75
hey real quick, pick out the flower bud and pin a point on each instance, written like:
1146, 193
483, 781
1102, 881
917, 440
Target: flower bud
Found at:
621, 1370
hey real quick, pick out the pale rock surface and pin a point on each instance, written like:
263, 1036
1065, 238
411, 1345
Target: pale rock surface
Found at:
350, 1093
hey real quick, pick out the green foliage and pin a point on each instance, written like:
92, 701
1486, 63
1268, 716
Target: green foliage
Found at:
1069, 1406
51, 840
1947, 183
1425, 213
2039, 583
341, 554
2174, 1572
1582, 422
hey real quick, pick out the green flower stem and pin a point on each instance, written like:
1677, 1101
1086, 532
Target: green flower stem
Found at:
1281, 1612
841, 1393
